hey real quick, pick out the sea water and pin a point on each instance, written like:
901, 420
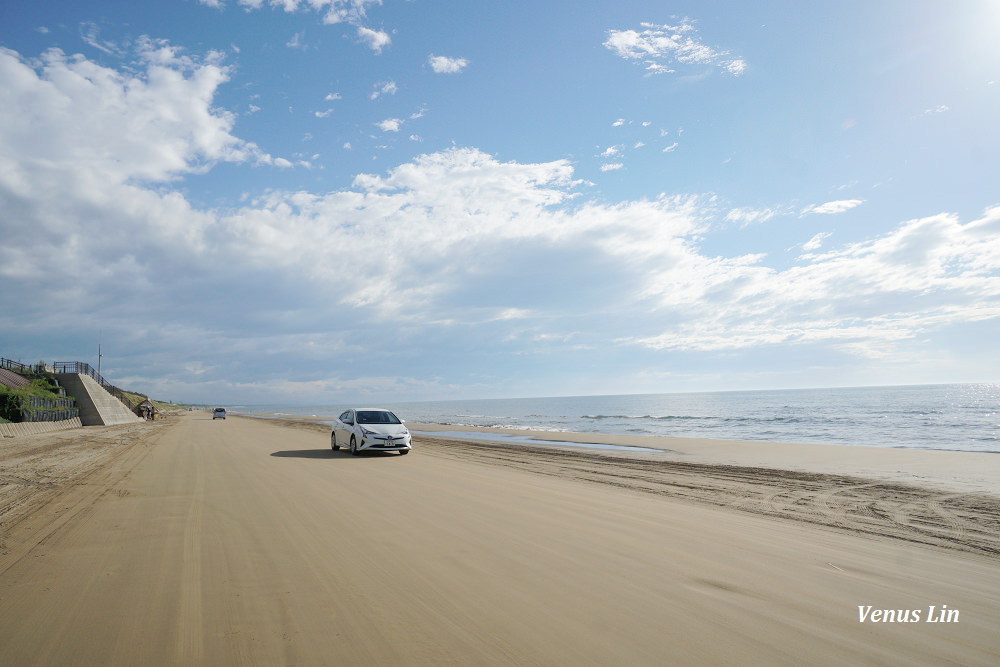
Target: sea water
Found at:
963, 417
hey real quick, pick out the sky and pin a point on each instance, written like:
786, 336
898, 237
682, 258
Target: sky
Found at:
352, 201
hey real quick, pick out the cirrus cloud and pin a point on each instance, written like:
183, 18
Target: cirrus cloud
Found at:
833, 207
661, 48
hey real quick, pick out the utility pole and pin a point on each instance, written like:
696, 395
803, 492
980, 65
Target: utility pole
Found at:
99, 355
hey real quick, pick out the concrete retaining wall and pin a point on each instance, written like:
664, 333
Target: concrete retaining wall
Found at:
31, 428
97, 407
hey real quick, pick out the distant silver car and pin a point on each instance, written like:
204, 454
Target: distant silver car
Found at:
220, 413
370, 429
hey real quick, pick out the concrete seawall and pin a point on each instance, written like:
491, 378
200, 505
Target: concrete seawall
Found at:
97, 406
32, 428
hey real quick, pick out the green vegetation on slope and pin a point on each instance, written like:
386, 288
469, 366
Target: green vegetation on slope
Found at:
14, 401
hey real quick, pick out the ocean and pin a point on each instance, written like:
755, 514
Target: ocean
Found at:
962, 417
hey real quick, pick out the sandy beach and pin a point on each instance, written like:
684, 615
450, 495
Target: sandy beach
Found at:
248, 541
958, 471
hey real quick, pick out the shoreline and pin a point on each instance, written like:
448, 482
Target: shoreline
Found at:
960, 471
948, 417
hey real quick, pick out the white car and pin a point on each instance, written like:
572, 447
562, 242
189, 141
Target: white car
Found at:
370, 429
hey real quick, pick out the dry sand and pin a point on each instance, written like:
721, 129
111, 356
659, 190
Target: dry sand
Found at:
194, 541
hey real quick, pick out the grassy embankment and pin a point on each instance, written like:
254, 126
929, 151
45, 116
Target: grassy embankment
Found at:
12, 401
162, 406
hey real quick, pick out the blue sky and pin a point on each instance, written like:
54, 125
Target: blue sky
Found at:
311, 201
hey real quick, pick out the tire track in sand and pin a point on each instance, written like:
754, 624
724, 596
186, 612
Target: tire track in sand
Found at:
964, 521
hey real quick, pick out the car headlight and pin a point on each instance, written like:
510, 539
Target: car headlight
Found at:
365, 431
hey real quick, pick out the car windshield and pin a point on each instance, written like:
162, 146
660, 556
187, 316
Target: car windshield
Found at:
377, 417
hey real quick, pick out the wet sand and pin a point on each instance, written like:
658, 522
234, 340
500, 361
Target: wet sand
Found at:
958, 471
249, 542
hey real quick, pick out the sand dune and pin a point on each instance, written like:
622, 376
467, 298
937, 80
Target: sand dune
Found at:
250, 542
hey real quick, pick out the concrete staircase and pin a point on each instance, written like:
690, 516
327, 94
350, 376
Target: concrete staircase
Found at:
97, 406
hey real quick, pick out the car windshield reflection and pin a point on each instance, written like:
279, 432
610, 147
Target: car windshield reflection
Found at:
376, 417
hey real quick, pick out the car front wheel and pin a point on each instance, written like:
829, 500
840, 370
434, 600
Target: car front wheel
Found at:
333, 442
354, 446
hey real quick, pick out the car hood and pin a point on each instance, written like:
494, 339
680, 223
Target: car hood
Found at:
385, 429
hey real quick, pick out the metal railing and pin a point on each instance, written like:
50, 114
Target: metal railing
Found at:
83, 368
16, 366
36, 408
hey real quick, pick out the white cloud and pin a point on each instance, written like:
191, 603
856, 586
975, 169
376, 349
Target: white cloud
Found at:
613, 166
925, 274
89, 33
735, 67
746, 216
816, 241
833, 207
611, 151
344, 11
639, 144
330, 97
334, 11
618, 123
513, 314
670, 148
468, 252
376, 40
384, 88
323, 114
390, 125
446, 65
941, 108
154, 124
663, 47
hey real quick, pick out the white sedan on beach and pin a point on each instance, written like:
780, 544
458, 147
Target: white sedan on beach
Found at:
370, 429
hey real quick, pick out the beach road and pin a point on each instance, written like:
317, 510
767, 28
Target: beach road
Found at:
250, 542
